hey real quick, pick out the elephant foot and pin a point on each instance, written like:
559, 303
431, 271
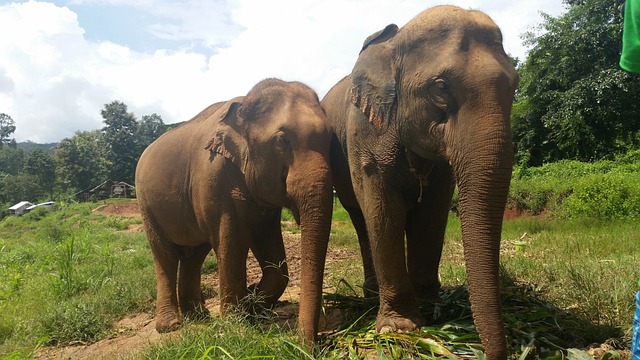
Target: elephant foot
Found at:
429, 293
370, 287
168, 323
392, 321
198, 313
259, 298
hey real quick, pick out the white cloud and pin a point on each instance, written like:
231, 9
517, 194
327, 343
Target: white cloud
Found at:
196, 20
40, 51
53, 81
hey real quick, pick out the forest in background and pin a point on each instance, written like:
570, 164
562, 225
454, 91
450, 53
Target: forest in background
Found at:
40, 172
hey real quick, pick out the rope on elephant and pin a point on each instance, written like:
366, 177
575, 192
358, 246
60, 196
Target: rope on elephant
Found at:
421, 172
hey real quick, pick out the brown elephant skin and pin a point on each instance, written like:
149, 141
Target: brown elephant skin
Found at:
426, 108
220, 181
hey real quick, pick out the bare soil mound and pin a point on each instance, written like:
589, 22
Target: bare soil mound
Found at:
127, 209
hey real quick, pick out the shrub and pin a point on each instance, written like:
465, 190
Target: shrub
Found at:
539, 193
534, 200
117, 223
613, 195
54, 231
603, 189
37, 214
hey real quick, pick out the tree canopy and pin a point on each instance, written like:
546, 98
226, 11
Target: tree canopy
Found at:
122, 148
80, 161
574, 101
41, 167
150, 128
7, 127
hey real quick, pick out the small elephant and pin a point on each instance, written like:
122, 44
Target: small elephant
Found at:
220, 181
426, 107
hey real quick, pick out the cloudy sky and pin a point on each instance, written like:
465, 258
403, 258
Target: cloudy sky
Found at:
61, 61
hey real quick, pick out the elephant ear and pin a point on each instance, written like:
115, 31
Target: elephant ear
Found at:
373, 79
229, 139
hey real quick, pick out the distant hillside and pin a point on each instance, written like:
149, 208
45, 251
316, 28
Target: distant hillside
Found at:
27, 146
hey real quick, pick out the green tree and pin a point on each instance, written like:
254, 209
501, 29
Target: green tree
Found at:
7, 127
11, 160
20, 187
122, 149
80, 162
41, 169
149, 129
574, 101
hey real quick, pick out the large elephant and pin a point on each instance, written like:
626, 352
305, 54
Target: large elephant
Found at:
220, 181
426, 108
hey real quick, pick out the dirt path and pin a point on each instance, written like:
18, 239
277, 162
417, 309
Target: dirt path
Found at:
135, 333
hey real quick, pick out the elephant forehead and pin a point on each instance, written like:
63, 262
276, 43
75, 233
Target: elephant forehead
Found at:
451, 25
297, 119
310, 120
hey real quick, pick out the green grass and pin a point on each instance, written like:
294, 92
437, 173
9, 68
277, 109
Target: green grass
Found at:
584, 265
70, 273
234, 337
568, 283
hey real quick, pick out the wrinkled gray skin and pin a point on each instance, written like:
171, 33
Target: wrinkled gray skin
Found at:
220, 181
426, 108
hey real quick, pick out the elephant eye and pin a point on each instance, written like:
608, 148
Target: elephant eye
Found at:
440, 95
280, 142
441, 85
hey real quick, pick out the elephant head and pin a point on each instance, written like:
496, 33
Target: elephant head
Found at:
442, 88
279, 138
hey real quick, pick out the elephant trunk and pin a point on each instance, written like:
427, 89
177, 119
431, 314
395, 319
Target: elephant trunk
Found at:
313, 199
483, 179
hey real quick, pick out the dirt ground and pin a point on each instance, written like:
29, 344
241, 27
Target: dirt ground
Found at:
134, 333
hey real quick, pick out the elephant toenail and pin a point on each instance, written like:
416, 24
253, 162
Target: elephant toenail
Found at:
386, 329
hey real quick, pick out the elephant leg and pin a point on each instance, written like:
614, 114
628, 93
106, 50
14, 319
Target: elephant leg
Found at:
268, 248
231, 251
165, 257
425, 235
189, 293
370, 285
345, 191
386, 218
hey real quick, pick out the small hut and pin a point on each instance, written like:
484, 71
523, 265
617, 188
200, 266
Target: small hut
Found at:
105, 190
19, 208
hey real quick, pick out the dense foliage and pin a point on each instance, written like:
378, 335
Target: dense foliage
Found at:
80, 159
35, 172
606, 189
574, 101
